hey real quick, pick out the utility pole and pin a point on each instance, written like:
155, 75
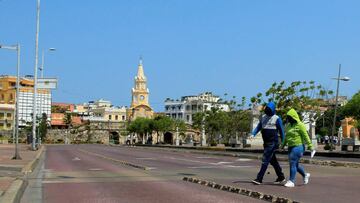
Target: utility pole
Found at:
336, 104
16, 127
33, 147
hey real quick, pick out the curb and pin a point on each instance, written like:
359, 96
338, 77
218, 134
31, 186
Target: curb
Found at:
116, 160
11, 168
14, 192
16, 189
259, 157
241, 191
30, 166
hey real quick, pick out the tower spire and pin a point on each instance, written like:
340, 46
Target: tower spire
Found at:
140, 74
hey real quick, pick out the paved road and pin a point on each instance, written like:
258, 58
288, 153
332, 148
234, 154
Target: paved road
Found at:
94, 173
84, 173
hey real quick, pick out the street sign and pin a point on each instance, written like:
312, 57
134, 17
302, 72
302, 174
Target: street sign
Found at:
47, 83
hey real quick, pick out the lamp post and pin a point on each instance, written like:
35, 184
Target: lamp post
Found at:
336, 104
33, 147
41, 68
16, 131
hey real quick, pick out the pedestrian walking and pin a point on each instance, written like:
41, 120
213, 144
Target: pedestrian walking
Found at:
296, 137
270, 126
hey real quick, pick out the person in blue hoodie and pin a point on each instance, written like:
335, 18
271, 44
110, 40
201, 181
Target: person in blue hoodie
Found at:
270, 126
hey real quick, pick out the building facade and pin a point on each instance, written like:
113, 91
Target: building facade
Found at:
26, 94
185, 108
7, 113
140, 106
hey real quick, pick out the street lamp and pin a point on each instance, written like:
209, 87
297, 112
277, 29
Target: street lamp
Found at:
336, 103
41, 68
17, 48
33, 147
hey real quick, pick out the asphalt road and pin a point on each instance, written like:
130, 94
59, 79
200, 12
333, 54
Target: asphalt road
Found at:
97, 173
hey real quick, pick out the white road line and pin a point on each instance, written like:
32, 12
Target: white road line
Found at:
205, 157
243, 159
231, 166
145, 158
221, 163
203, 167
76, 159
95, 169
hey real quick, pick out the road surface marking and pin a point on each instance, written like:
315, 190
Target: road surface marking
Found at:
95, 169
114, 160
146, 158
243, 159
232, 166
221, 162
205, 157
76, 159
202, 167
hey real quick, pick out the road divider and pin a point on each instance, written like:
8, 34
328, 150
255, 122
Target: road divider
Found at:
241, 191
115, 160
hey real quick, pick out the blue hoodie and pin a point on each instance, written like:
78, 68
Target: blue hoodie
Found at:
270, 126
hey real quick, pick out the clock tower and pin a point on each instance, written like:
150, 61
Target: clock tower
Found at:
140, 106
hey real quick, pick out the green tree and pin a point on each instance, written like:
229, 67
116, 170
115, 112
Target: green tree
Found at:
142, 127
43, 126
352, 108
303, 96
68, 120
162, 124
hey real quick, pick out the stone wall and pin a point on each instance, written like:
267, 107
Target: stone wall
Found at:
76, 136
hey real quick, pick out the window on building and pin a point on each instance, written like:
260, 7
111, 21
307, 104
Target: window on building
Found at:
2, 97
194, 107
1, 126
8, 125
8, 115
110, 117
180, 116
123, 118
188, 107
11, 98
188, 118
116, 117
2, 115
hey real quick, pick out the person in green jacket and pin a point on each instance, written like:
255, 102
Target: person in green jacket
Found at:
296, 137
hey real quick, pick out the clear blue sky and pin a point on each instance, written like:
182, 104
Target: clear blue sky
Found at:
237, 47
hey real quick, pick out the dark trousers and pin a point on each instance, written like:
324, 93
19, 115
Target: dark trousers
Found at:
270, 157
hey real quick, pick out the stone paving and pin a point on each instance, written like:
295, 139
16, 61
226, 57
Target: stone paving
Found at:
11, 170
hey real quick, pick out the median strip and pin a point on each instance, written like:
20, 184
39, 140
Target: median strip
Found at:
241, 191
116, 160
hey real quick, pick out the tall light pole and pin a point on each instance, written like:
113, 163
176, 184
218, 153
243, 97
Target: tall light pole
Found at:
41, 68
16, 131
33, 147
336, 104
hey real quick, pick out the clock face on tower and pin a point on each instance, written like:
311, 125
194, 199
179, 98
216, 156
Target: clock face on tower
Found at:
142, 97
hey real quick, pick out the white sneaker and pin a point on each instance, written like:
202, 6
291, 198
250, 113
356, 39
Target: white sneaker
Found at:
289, 183
306, 178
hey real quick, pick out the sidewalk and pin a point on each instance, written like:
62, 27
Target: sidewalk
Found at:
12, 171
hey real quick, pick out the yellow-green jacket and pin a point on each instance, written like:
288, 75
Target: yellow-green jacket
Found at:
296, 134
